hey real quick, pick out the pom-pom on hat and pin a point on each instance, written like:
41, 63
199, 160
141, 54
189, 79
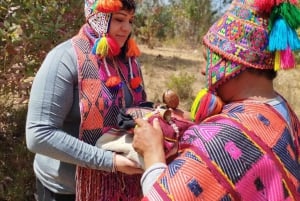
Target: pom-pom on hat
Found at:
252, 34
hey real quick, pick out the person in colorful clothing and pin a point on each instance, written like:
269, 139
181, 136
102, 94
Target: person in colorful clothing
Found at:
75, 98
249, 149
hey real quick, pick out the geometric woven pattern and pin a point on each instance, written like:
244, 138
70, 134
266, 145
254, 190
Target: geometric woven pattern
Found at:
97, 20
232, 150
229, 157
99, 107
241, 36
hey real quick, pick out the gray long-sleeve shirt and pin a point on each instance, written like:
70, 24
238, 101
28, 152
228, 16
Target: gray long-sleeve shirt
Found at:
53, 120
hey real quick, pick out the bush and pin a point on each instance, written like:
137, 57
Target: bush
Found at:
16, 175
28, 30
182, 85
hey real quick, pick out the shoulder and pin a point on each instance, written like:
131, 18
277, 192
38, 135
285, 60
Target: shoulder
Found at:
61, 58
63, 51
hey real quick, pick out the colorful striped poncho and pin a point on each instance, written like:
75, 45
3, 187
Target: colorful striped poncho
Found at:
248, 152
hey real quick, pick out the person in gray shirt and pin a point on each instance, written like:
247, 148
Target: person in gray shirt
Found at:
58, 127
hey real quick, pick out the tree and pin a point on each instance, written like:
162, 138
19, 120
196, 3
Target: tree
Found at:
28, 30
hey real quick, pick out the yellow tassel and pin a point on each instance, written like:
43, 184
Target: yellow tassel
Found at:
102, 47
132, 48
277, 61
196, 102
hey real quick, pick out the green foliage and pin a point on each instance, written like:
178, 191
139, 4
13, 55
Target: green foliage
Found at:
16, 175
184, 20
153, 23
182, 84
28, 30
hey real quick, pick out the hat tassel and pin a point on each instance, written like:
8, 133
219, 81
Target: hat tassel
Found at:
287, 59
205, 105
132, 48
278, 37
105, 46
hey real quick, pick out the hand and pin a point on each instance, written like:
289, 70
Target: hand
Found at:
148, 141
126, 165
181, 114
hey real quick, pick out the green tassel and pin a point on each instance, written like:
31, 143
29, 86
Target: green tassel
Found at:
289, 12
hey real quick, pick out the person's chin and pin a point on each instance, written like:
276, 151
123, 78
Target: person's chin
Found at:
121, 44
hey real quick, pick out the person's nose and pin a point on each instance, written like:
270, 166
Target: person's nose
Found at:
127, 27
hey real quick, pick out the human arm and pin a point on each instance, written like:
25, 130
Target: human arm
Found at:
53, 119
181, 178
184, 177
148, 141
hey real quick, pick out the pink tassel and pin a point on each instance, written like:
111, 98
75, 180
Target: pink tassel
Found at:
287, 59
113, 47
268, 5
264, 5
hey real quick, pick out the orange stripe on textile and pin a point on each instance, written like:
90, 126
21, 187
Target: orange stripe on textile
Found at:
188, 175
261, 124
93, 119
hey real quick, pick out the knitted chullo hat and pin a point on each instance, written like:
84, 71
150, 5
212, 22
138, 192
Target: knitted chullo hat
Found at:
252, 34
98, 15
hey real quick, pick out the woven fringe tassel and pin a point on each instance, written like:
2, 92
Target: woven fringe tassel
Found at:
277, 61
278, 39
196, 102
264, 5
268, 5
287, 59
293, 39
290, 13
106, 46
205, 105
107, 6
94, 49
102, 47
132, 48
95, 185
113, 47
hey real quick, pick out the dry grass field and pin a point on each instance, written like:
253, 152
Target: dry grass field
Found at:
160, 64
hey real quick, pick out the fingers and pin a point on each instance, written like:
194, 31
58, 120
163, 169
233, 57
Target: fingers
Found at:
127, 166
141, 122
156, 124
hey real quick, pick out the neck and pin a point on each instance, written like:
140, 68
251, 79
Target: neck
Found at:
255, 87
